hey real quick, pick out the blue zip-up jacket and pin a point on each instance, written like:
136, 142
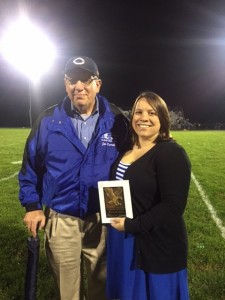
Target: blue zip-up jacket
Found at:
58, 171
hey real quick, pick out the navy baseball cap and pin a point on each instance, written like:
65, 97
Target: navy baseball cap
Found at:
83, 63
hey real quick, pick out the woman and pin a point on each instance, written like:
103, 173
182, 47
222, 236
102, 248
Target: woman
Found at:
147, 255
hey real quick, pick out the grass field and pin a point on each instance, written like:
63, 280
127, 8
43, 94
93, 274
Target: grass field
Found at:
205, 217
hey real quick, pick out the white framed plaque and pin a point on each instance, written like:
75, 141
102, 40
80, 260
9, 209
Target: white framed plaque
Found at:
115, 199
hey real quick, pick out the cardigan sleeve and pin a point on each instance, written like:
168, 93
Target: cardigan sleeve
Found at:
173, 171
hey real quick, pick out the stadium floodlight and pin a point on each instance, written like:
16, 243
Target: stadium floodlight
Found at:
27, 48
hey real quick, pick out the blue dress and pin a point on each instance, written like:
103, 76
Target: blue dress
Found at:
125, 282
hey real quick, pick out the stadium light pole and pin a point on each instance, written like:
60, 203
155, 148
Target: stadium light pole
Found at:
30, 105
27, 48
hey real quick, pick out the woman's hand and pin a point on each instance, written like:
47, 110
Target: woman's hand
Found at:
118, 223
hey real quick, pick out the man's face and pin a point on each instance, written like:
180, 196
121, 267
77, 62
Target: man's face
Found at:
82, 88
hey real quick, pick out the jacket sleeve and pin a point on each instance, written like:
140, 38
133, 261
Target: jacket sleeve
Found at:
173, 171
31, 173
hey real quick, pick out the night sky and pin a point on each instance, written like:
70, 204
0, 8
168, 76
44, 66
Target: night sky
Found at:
174, 48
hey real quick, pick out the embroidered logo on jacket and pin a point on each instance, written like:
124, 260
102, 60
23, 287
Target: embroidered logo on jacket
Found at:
108, 140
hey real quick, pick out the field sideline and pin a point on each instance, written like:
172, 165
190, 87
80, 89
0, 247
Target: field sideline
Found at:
205, 217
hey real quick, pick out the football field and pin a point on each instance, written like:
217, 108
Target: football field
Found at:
205, 217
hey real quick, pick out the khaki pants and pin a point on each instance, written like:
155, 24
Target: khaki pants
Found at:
67, 239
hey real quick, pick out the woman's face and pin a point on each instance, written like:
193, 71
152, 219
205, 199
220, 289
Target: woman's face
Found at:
145, 121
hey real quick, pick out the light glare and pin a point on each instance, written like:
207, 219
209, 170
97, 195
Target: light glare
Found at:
27, 49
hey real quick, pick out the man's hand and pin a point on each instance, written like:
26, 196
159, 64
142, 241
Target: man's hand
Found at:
118, 223
34, 220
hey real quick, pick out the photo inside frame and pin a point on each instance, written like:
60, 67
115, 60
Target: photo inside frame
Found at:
114, 202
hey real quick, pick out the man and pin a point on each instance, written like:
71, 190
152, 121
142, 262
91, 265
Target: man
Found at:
70, 148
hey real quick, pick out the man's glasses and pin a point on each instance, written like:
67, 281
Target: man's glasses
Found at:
84, 80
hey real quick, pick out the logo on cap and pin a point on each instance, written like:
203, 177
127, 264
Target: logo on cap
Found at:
79, 61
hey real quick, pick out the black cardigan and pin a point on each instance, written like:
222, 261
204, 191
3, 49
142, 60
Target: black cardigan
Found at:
159, 183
